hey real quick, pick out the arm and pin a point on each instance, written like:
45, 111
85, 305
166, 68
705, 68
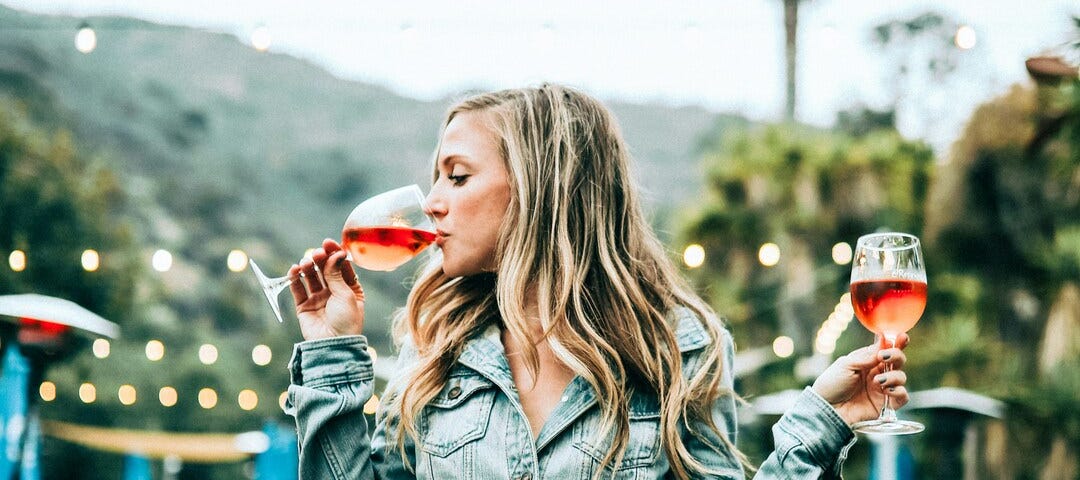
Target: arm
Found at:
811, 440
332, 375
331, 380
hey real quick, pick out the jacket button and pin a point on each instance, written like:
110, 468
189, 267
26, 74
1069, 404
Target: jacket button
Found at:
454, 393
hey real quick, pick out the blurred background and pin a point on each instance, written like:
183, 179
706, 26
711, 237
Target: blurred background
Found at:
149, 149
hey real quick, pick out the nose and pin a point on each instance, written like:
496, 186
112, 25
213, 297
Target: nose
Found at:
434, 203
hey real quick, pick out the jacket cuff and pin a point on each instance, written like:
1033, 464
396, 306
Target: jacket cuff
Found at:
815, 425
331, 361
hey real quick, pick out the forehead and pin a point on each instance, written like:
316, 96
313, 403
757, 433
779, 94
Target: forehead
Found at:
469, 136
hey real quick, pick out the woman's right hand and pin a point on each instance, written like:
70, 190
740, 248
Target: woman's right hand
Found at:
329, 298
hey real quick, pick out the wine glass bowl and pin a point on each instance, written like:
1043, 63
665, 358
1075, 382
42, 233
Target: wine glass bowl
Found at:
888, 295
380, 234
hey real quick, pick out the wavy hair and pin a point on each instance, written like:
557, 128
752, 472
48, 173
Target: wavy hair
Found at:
574, 236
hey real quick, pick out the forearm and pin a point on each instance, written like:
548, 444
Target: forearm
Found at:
331, 379
811, 441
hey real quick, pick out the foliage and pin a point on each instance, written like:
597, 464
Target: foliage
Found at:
999, 220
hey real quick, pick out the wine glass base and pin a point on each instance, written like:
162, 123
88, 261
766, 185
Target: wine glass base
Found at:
888, 427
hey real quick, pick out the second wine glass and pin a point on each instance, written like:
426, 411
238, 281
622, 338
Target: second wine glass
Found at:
888, 293
381, 233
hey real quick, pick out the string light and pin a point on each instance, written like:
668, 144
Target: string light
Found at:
783, 346
261, 355
841, 253
85, 39
207, 398
769, 254
965, 37
260, 38
127, 394
372, 353
248, 399
208, 354
167, 396
155, 350
237, 260
161, 261
282, 398
90, 260
87, 393
47, 390
17, 260
694, 255
101, 348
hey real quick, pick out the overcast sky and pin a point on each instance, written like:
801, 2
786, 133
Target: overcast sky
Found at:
726, 55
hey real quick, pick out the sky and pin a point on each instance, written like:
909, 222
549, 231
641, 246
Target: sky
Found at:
724, 55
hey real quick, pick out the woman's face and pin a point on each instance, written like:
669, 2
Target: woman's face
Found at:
470, 196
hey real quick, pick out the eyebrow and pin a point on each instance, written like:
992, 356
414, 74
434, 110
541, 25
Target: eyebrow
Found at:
453, 158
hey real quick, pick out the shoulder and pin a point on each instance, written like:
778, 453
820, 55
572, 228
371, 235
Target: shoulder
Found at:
703, 340
696, 332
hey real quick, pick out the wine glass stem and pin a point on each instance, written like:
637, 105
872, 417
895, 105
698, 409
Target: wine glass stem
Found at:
887, 412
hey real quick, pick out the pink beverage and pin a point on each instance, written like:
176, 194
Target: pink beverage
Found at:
384, 248
888, 306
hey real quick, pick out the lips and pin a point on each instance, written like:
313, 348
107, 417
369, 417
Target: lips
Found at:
440, 237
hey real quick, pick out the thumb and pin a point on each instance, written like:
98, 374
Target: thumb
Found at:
863, 358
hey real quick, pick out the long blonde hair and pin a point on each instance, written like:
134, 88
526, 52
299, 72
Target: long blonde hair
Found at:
575, 237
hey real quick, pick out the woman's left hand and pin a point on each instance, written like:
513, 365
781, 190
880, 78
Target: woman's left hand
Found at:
856, 384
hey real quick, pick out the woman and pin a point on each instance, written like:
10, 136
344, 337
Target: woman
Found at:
553, 338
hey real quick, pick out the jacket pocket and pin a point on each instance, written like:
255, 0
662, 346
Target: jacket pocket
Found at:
459, 414
642, 444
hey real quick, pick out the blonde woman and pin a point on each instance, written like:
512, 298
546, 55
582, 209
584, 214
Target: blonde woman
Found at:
553, 338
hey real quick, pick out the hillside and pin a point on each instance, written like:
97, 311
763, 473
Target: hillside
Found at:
220, 146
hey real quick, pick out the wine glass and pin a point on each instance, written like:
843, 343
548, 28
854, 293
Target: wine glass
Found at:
888, 293
382, 233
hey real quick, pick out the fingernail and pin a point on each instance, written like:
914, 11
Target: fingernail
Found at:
892, 389
886, 356
880, 379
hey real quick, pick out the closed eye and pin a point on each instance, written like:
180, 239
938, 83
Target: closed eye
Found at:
457, 180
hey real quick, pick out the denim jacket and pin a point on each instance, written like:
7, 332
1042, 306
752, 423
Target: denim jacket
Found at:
475, 427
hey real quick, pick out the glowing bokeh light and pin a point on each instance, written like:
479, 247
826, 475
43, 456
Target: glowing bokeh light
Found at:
90, 260
841, 253
783, 346
17, 260
167, 396
87, 393
155, 350
47, 391
127, 394
85, 40
161, 261
965, 37
207, 398
248, 400
769, 254
237, 261
261, 355
694, 255
208, 354
101, 348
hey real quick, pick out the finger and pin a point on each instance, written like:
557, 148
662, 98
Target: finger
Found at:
314, 284
893, 356
898, 396
862, 358
340, 277
330, 246
902, 340
296, 285
894, 378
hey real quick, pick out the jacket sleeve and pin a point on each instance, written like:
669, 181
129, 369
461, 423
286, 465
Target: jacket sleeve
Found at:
331, 380
811, 440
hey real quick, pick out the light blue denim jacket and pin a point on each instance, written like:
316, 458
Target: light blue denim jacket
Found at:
475, 427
